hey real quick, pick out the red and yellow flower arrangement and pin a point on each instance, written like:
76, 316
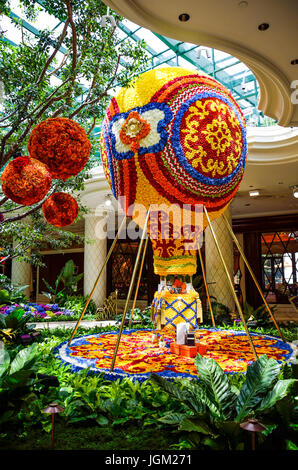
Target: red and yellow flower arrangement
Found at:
26, 180
62, 144
60, 209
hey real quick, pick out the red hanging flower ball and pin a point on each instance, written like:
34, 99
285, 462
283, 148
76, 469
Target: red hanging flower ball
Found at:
61, 144
26, 180
60, 209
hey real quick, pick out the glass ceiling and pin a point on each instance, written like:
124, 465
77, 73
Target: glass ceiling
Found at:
162, 51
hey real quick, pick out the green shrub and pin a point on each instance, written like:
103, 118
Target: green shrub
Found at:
76, 304
9, 293
17, 375
216, 406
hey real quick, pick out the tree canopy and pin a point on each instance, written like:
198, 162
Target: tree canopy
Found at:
69, 71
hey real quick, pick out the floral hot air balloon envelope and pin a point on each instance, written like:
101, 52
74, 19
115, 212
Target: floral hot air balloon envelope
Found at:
176, 139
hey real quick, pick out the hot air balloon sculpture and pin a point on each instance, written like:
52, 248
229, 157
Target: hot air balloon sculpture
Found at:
173, 148
175, 138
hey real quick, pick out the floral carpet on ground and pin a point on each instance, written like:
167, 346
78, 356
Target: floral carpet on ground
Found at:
138, 356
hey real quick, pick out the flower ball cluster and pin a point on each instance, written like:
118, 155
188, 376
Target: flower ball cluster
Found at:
60, 209
62, 145
26, 180
59, 148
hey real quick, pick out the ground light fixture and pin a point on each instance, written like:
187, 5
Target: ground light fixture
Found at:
295, 191
253, 426
53, 409
254, 192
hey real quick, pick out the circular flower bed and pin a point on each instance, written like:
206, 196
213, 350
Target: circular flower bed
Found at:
38, 311
138, 356
62, 144
26, 180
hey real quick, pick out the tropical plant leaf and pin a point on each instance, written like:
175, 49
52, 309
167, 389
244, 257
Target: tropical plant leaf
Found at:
196, 425
197, 400
5, 361
278, 392
217, 386
24, 358
260, 378
170, 387
67, 272
172, 418
102, 420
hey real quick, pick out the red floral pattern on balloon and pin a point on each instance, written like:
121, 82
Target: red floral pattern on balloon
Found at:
60, 209
133, 130
61, 144
26, 180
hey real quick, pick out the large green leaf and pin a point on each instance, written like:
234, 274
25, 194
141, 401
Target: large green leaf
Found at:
172, 418
217, 386
196, 425
5, 361
18, 379
278, 392
260, 378
24, 359
170, 387
68, 271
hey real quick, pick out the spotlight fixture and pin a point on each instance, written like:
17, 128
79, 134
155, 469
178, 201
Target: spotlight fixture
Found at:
294, 61
207, 51
295, 191
263, 26
254, 192
103, 20
108, 200
184, 17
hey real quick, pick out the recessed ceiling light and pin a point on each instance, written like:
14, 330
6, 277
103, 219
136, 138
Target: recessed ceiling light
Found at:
184, 17
294, 61
263, 26
295, 191
254, 192
243, 4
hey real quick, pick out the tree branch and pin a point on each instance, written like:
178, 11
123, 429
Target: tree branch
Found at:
3, 200
74, 37
51, 58
33, 209
95, 100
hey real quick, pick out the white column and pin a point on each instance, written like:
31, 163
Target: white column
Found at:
21, 275
95, 251
214, 269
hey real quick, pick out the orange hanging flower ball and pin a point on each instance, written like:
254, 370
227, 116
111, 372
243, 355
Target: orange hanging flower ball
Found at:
26, 180
61, 144
60, 209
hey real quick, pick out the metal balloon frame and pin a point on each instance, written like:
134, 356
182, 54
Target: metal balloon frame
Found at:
142, 248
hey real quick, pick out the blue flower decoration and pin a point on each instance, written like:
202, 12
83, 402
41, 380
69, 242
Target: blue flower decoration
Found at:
158, 115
